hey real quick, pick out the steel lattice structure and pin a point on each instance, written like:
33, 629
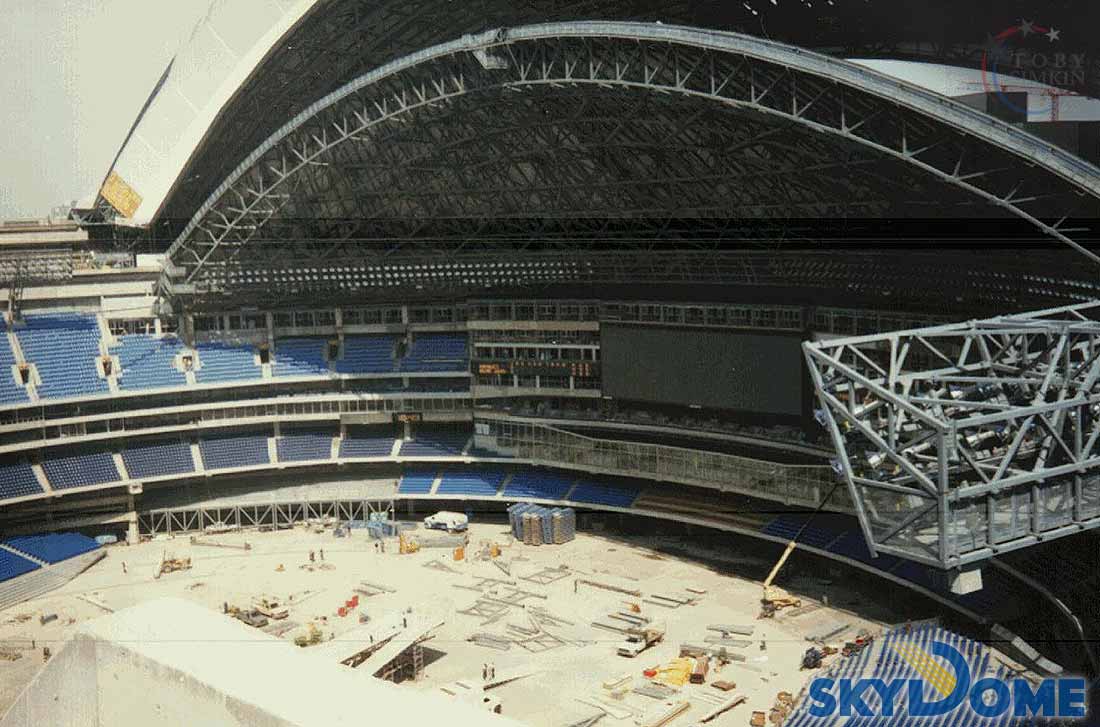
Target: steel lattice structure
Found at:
962, 441
565, 127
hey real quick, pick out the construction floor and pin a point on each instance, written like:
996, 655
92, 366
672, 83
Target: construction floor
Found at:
567, 663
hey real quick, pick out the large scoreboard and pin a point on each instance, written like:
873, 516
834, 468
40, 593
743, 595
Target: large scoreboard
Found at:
704, 367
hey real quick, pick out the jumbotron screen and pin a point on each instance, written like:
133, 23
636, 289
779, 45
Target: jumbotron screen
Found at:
704, 367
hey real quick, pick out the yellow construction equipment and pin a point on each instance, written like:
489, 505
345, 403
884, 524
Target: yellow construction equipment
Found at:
776, 598
311, 638
407, 544
169, 564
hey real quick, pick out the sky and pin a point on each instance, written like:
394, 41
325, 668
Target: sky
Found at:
73, 77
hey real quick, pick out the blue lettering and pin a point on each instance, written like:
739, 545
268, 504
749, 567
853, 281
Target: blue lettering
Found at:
850, 697
1071, 697
887, 692
1038, 703
824, 703
999, 704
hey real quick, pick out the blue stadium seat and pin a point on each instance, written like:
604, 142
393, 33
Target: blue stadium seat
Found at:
239, 450
13, 566
221, 362
470, 482
303, 445
53, 547
79, 469
148, 362
158, 459
416, 482
542, 484
435, 441
599, 493
12, 391
436, 352
300, 357
367, 355
367, 442
64, 348
17, 480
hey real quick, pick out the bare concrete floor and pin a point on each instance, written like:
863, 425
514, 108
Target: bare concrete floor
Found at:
557, 676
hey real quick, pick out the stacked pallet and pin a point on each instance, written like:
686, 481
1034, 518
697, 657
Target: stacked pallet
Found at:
537, 525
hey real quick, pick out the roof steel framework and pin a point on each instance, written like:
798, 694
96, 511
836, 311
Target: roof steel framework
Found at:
578, 125
962, 441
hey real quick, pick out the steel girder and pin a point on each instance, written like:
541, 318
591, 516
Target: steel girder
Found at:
339, 40
962, 441
816, 107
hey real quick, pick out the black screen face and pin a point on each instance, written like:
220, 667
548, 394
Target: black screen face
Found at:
705, 367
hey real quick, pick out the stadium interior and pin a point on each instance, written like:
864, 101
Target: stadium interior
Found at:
723, 305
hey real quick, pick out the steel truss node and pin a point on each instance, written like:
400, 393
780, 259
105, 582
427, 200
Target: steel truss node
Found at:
589, 121
962, 441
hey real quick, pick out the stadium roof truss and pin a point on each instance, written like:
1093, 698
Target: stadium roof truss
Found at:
962, 441
567, 127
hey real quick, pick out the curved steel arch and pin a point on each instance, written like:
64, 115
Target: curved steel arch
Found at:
995, 163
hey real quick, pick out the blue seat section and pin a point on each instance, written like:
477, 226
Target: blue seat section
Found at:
436, 352
13, 566
11, 391
303, 445
543, 484
64, 348
300, 357
822, 531
157, 459
225, 362
416, 482
605, 494
435, 441
17, 480
79, 469
148, 362
53, 547
367, 355
472, 482
367, 442
234, 450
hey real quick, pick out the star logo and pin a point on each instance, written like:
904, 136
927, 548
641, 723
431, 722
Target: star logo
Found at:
1027, 28
1054, 35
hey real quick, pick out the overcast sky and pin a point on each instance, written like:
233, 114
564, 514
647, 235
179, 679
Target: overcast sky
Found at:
73, 76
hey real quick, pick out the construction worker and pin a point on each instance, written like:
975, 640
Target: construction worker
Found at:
45, 653
484, 672
123, 567
322, 553
311, 558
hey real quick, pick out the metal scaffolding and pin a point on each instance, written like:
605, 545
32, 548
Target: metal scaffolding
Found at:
962, 441
601, 131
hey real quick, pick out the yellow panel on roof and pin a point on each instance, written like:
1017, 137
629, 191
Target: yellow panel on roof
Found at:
121, 195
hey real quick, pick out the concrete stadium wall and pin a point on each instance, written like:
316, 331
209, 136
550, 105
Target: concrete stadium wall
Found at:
64, 694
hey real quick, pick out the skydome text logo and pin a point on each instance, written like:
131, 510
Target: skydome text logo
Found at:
986, 697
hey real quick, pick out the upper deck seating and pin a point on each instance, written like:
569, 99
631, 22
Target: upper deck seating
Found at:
225, 362
300, 357
148, 362
11, 390
366, 355
64, 348
436, 352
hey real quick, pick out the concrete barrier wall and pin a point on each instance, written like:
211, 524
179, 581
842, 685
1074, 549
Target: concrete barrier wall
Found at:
64, 694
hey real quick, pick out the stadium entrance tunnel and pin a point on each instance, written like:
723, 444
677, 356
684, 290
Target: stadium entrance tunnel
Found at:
582, 130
